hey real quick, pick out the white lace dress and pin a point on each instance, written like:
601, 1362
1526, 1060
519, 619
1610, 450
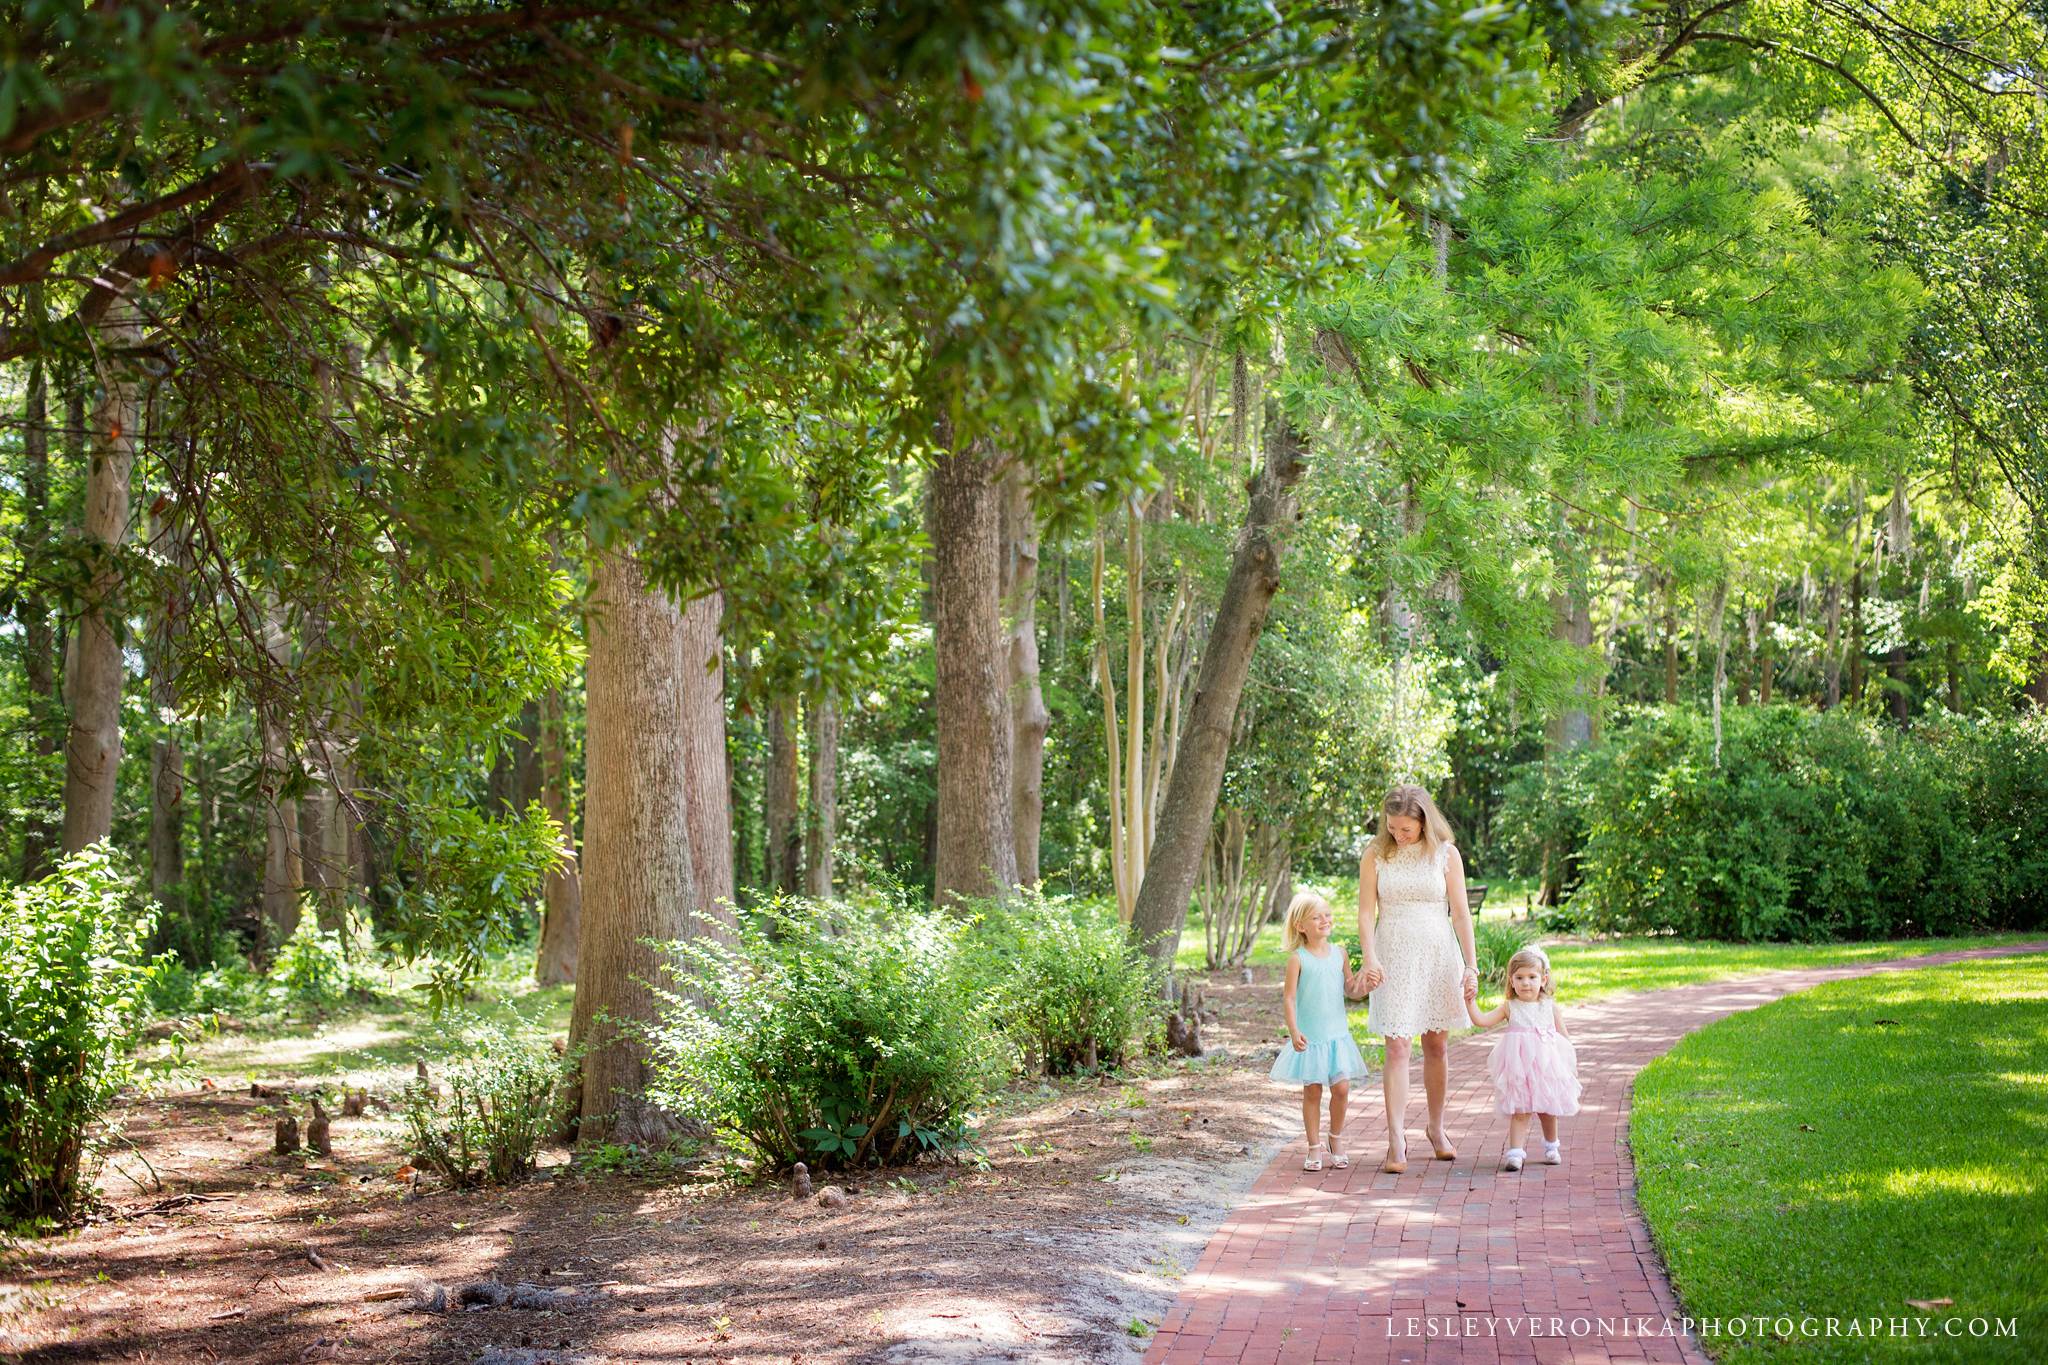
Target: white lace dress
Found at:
1424, 987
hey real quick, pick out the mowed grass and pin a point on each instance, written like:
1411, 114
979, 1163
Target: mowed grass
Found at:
1853, 1147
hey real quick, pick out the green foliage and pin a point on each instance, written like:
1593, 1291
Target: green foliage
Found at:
1495, 942
1540, 825
465, 881
318, 968
504, 1097
1816, 826
73, 981
830, 1034
1074, 990
177, 991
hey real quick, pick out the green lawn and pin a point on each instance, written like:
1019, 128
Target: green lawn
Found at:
1855, 1146
1588, 970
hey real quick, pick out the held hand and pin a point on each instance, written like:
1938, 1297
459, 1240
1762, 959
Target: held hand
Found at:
1300, 1043
1375, 976
1471, 984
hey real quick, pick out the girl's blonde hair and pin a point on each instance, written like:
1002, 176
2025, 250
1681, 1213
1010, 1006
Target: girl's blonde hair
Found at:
1527, 957
1413, 802
1304, 904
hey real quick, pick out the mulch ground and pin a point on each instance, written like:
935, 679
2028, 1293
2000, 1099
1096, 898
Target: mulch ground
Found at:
1096, 1197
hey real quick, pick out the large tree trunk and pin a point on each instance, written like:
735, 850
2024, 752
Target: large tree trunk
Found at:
703, 722
283, 853
1191, 792
1896, 695
821, 817
562, 893
167, 758
40, 834
785, 851
977, 853
1029, 719
94, 674
640, 884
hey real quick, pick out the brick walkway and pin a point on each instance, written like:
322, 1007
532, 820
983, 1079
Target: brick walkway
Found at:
1360, 1266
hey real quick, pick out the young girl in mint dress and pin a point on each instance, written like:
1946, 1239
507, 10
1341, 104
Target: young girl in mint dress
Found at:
1319, 1052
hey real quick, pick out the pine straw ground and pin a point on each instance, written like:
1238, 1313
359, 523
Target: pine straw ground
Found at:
1098, 1194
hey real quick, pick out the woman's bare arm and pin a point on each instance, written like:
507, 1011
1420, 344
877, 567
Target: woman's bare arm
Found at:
1368, 919
1461, 918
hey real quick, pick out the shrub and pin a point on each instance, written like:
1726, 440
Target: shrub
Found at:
830, 1035
319, 968
1073, 989
73, 981
1816, 826
504, 1097
1494, 942
176, 991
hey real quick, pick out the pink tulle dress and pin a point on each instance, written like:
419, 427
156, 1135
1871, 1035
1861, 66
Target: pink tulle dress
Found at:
1535, 1069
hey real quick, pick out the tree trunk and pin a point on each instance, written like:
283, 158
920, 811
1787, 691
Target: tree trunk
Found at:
977, 852
40, 834
1191, 792
1029, 719
94, 674
167, 758
1670, 641
1767, 654
283, 854
1831, 666
779, 800
316, 813
515, 776
821, 817
1895, 685
703, 722
1955, 677
1720, 615
1856, 635
562, 893
1572, 728
639, 881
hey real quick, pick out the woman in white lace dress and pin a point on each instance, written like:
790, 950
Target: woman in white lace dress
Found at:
1415, 928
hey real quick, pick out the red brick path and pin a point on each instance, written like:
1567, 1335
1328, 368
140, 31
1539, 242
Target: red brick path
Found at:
1451, 1260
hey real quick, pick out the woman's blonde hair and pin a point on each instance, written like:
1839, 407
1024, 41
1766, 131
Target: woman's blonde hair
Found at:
1304, 904
1413, 802
1527, 957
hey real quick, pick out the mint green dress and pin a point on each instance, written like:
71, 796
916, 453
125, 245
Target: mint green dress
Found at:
1319, 1014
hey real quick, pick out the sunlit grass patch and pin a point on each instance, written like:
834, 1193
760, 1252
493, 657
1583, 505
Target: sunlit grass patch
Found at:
1853, 1147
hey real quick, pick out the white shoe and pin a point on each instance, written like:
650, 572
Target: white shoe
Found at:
1553, 1154
1513, 1160
1314, 1162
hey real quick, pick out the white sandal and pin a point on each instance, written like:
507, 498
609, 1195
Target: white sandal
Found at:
1314, 1162
1338, 1161
1553, 1153
1514, 1158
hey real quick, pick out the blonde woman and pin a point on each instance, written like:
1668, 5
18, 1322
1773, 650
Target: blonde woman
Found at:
1415, 928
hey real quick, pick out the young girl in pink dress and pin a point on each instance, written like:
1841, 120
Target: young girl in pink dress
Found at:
1534, 1067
